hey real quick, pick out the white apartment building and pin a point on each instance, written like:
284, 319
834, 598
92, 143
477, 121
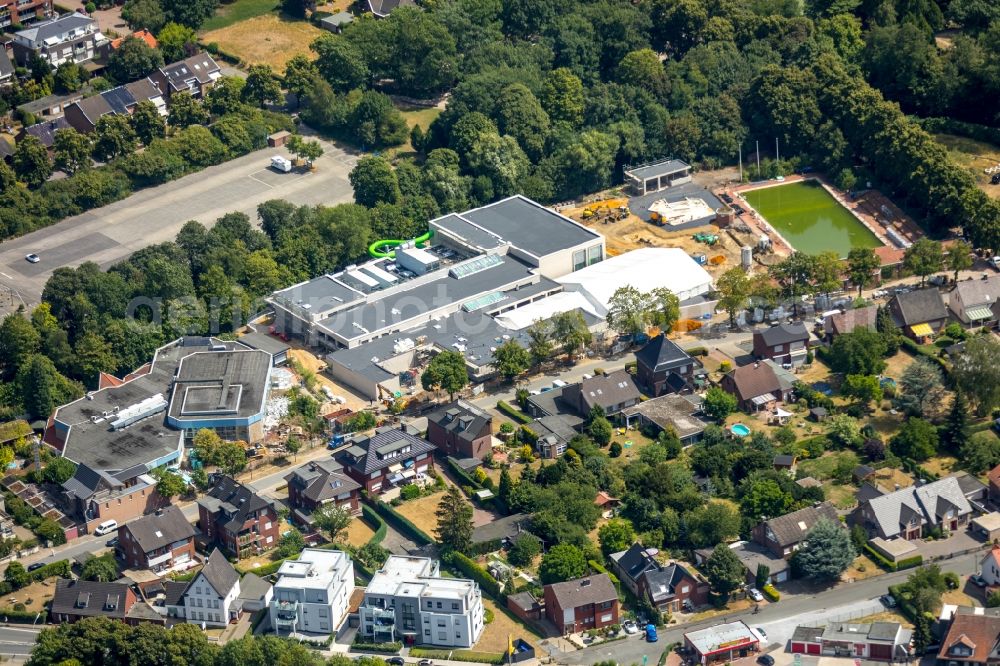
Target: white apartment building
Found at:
312, 592
408, 599
210, 598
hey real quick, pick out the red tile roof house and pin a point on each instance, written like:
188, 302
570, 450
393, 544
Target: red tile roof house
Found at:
785, 343
585, 603
669, 587
237, 520
78, 599
990, 567
389, 457
461, 430
160, 542
317, 483
971, 640
848, 320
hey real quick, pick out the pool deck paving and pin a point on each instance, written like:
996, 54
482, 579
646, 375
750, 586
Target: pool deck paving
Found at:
868, 207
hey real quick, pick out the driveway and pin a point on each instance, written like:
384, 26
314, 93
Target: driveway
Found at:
154, 215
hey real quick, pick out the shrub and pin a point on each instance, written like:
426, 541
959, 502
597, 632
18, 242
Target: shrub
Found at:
697, 351
472, 570
488, 616
385, 648
410, 491
515, 414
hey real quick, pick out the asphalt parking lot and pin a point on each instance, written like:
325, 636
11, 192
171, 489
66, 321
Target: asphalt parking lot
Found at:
155, 215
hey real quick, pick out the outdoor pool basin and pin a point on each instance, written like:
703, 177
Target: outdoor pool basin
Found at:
739, 430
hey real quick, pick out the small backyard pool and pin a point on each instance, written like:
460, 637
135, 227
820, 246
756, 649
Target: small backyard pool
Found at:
739, 430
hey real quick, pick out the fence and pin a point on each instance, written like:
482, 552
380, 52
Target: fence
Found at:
870, 608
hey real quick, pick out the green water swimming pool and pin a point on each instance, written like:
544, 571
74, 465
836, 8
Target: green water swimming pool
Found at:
809, 218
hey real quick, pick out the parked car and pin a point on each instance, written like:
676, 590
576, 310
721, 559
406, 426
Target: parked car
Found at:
755, 594
425, 662
36, 566
651, 636
32, 258
630, 627
888, 600
977, 580
762, 633
765, 660
112, 543
395, 661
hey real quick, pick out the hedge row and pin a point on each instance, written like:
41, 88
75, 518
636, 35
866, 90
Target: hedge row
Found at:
600, 568
696, 351
472, 570
484, 547
374, 521
385, 648
528, 436
21, 617
771, 593
513, 413
459, 655
402, 523
910, 562
879, 558
950, 126
467, 480
912, 347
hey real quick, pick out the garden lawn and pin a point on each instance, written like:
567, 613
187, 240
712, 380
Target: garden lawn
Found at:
358, 532
496, 633
266, 40
941, 465
241, 10
860, 569
421, 511
34, 597
415, 115
823, 468
896, 364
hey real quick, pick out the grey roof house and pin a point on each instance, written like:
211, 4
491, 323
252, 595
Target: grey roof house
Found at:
907, 513
971, 301
68, 38
785, 534
317, 483
611, 392
663, 367
919, 313
388, 457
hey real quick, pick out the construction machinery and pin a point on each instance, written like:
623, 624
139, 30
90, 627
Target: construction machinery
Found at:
607, 210
707, 239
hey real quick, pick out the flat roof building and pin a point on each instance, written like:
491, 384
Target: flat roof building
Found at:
723, 642
312, 592
191, 383
656, 176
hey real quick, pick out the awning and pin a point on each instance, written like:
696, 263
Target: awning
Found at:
395, 478
782, 414
395, 467
762, 399
408, 474
979, 312
922, 330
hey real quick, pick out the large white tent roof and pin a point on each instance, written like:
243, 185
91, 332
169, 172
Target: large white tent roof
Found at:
546, 308
645, 269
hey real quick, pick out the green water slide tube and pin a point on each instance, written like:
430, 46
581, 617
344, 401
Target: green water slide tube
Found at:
383, 248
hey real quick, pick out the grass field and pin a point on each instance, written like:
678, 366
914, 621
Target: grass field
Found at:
265, 40
810, 219
241, 10
975, 156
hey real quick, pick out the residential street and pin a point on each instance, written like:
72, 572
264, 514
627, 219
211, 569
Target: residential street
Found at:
778, 620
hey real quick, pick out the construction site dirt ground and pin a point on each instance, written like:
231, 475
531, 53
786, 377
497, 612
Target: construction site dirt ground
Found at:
310, 362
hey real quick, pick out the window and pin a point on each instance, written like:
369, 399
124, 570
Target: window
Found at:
440, 623
579, 259
439, 604
427, 632
594, 255
442, 636
430, 604
605, 605
454, 605
267, 525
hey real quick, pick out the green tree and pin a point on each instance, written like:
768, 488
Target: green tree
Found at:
262, 86
43, 388
540, 345
724, 570
144, 14
31, 161
185, 111
69, 77
844, 429
102, 569
627, 309
734, 292
511, 360
570, 330
712, 523
664, 308
960, 255
300, 76
446, 372
563, 562
71, 150
332, 520
826, 553
600, 430
340, 62
226, 96
718, 404
374, 181
523, 551
976, 373
916, 440
643, 69
18, 342
764, 498
562, 96
454, 514
921, 388
175, 40
147, 122
169, 484
376, 122
520, 114
860, 352
231, 457
862, 263
615, 535
114, 138
191, 13
16, 575
865, 388
923, 258
980, 452
58, 471
956, 429
132, 60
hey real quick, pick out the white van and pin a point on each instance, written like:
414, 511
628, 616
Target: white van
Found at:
105, 527
279, 163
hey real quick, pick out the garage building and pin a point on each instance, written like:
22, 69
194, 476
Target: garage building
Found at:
880, 641
723, 642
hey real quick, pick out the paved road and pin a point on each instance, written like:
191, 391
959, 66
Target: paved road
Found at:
155, 215
778, 620
17, 640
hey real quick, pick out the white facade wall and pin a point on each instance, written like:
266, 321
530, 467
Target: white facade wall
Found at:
202, 603
318, 596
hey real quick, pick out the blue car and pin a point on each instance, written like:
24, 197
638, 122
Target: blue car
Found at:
651, 636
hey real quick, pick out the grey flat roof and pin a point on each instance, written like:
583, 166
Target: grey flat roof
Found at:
321, 294
640, 205
657, 169
468, 232
228, 384
398, 306
265, 342
99, 447
530, 226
